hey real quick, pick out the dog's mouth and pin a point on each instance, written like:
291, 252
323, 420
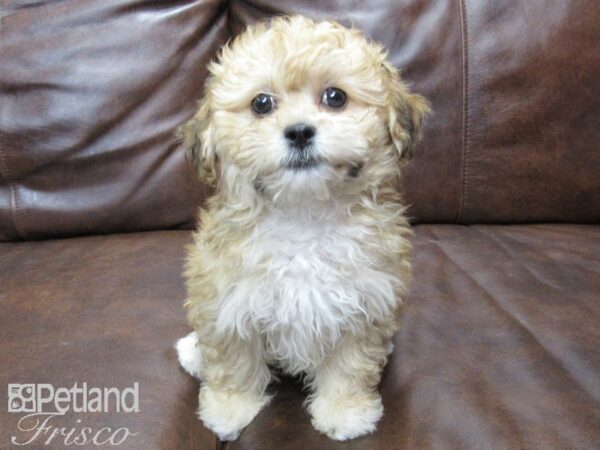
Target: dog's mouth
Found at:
302, 160
307, 159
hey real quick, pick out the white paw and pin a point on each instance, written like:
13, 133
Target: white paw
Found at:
347, 417
226, 414
189, 355
390, 349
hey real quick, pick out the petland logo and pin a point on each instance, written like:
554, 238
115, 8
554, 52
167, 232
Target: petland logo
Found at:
43, 402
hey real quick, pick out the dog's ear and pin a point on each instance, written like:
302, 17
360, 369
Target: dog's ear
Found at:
406, 112
196, 135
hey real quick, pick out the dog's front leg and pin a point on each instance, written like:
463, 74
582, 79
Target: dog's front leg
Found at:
234, 379
345, 403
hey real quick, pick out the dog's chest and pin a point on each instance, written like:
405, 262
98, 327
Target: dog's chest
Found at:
305, 284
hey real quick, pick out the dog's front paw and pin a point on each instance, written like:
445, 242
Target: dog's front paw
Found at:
343, 418
226, 413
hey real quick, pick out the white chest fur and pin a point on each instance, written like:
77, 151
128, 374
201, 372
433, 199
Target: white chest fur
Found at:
304, 284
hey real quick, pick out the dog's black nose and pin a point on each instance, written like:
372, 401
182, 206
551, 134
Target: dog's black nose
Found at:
299, 135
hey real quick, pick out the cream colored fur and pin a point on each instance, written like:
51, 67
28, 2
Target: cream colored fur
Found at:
304, 270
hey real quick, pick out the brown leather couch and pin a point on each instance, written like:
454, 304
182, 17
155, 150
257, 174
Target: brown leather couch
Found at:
501, 340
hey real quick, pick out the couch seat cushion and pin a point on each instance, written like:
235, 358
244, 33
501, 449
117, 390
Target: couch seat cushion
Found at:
499, 348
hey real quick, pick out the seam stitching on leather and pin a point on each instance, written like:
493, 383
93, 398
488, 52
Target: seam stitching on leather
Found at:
465, 107
12, 189
14, 202
228, 18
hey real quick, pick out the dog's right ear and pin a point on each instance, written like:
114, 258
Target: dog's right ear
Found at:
196, 136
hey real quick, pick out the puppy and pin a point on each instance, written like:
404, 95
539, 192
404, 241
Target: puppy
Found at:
301, 259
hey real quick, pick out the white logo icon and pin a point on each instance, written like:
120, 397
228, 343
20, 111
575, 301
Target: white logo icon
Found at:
21, 398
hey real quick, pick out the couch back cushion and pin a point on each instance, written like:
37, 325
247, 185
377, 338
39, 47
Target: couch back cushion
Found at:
91, 94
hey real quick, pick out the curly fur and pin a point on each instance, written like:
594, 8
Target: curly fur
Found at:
305, 270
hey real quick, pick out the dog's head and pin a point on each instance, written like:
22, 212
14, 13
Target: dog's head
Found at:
296, 109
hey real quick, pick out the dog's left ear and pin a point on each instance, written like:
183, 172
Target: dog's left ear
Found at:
406, 113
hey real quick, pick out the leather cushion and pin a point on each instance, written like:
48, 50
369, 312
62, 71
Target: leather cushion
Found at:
499, 345
104, 310
513, 136
91, 94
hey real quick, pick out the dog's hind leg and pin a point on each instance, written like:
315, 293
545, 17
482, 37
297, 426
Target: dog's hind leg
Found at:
189, 354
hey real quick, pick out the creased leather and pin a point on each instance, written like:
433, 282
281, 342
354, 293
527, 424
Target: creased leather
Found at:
91, 94
498, 349
105, 310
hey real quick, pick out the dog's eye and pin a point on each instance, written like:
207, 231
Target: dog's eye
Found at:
334, 97
263, 104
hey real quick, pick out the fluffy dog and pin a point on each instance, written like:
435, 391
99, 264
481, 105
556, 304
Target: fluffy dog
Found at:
301, 259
